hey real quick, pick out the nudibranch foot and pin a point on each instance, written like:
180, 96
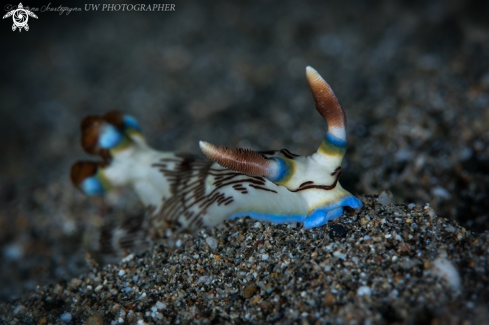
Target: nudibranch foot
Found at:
353, 202
321, 217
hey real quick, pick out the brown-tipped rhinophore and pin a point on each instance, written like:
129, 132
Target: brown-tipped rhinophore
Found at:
245, 161
115, 118
326, 102
83, 169
91, 127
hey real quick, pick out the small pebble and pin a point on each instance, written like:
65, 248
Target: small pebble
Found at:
13, 252
444, 269
450, 228
75, 283
329, 299
18, 309
250, 290
440, 192
364, 291
95, 319
340, 255
385, 198
127, 258
203, 279
66, 317
212, 242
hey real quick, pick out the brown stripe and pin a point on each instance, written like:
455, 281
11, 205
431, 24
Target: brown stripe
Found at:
262, 188
306, 183
268, 152
288, 154
321, 187
336, 171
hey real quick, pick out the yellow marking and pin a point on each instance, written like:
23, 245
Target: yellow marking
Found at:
291, 169
328, 148
103, 180
338, 197
123, 145
134, 132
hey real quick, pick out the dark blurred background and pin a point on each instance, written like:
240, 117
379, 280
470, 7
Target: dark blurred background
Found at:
413, 77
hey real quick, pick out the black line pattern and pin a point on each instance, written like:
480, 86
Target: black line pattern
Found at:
285, 152
310, 184
288, 154
188, 202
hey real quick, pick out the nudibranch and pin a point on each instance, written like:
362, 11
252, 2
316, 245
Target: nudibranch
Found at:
185, 192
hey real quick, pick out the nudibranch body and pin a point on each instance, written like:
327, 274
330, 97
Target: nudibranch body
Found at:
184, 192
